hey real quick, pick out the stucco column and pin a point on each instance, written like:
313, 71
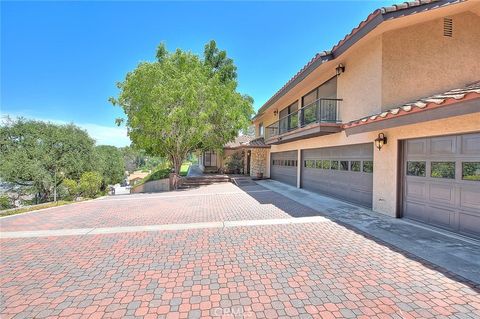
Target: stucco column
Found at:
385, 168
299, 167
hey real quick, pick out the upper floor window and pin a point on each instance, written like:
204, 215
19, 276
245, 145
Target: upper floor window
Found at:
288, 118
261, 129
327, 90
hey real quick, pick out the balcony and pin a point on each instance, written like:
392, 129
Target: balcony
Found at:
318, 118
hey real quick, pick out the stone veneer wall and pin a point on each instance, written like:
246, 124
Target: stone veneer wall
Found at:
258, 161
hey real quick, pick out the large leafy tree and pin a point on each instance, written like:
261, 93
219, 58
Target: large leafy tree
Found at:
182, 102
33, 154
110, 164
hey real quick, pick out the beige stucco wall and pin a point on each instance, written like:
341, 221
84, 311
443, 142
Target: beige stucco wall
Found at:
385, 160
410, 60
419, 60
361, 84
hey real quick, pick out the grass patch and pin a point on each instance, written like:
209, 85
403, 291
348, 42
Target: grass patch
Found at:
163, 172
156, 175
184, 168
15, 211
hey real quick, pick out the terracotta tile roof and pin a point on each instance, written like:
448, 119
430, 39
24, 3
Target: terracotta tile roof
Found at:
258, 142
471, 91
420, 5
246, 141
239, 141
374, 19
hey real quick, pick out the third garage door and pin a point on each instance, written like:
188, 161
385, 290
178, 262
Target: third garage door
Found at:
345, 172
441, 182
283, 167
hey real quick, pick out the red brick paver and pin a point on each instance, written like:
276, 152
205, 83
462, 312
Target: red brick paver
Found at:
314, 270
217, 202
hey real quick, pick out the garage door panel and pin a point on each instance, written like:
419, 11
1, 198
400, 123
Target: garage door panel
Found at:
347, 185
442, 193
415, 211
471, 144
416, 147
470, 198
439, 195
440, 216
443, 145
469, 223
416, 189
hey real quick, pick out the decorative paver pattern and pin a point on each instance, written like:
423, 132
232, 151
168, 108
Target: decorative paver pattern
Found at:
216, 202
311, 270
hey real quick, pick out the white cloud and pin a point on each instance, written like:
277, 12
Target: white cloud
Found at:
107, 135
103, 135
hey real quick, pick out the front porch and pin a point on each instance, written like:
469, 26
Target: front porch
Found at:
248, 157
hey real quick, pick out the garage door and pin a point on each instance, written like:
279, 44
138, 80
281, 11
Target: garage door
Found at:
283, 167
442, 182
345, 172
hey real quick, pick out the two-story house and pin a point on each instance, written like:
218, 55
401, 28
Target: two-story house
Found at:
389, 118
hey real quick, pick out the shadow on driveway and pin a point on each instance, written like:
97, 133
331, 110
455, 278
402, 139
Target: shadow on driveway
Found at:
455, 257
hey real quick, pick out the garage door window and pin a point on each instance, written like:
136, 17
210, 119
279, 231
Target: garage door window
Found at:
416, 168
471, 171
309, 164
355, 166
368, 166
326, 164
344, 165
443, 170
334, 165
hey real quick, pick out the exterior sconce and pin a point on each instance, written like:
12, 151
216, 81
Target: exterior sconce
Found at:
275, 113
380, 141
340, 69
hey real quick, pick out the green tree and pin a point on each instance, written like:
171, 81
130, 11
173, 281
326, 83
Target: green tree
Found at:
219, 63
71, 187
35, 154
90, 184
182, 103
110, 164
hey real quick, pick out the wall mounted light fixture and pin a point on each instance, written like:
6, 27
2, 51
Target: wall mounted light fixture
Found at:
380, 141
275, 113
340, 69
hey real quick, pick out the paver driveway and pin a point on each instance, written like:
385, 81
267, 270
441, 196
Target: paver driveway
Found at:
314, 268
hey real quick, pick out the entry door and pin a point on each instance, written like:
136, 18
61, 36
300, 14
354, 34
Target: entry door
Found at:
210, 158
441, 182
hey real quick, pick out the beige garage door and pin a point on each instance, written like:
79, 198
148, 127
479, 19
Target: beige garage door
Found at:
442, 182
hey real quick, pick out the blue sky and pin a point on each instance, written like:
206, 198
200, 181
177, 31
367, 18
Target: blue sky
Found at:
60, 60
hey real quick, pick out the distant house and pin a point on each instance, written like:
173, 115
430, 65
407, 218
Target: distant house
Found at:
136, 177
252, 152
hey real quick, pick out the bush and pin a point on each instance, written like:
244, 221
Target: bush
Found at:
71, 187
5, 202
235, 163
90, 184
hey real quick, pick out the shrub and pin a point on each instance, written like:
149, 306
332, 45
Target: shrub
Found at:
235, 163
71, 186
90, 184
5, 202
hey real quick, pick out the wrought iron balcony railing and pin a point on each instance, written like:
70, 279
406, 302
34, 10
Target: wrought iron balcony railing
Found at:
320, 111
